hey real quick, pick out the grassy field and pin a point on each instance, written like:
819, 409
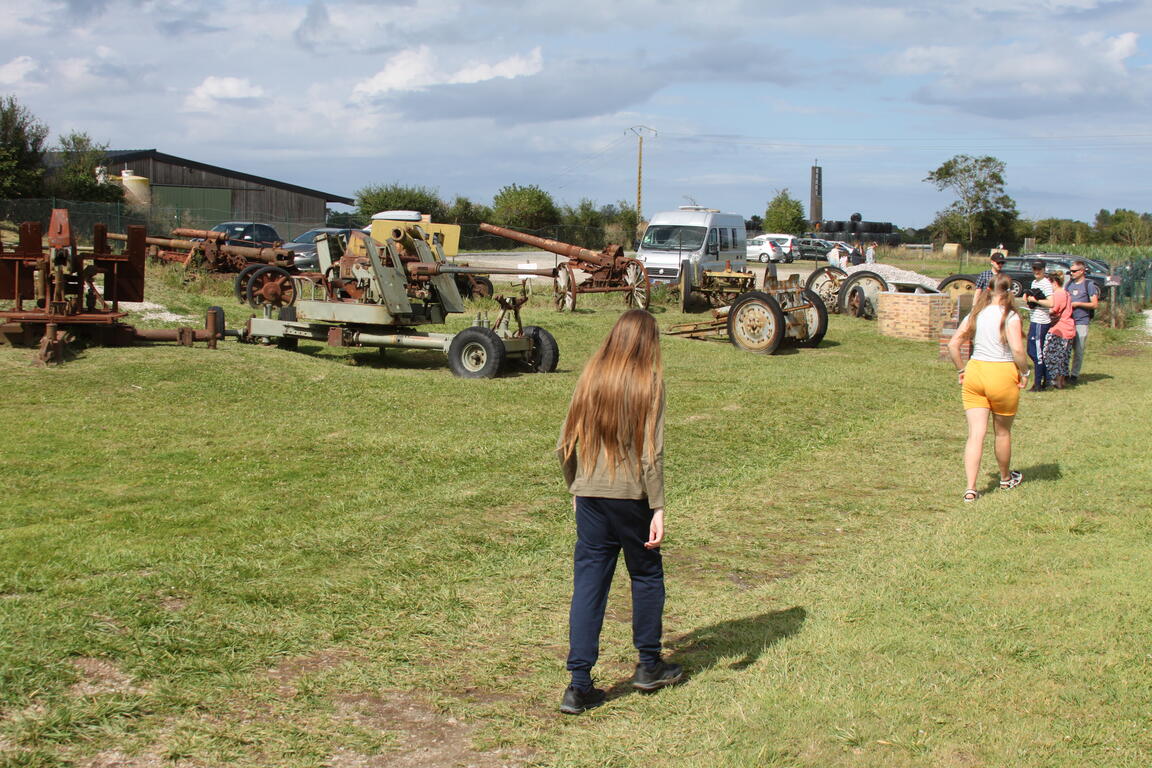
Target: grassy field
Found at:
254, 557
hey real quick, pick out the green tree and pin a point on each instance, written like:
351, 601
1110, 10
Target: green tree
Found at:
397, 197
22, 139
525, 207
1063, 231
754, 224
350, 219
469, 216
73, 176
978, 183
583, 225
1129, 228
785, 215
621, 224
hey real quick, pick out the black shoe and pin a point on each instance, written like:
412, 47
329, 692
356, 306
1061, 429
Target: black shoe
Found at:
577, 700
651, 678
1073, 379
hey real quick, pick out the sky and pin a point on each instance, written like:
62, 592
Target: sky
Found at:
735, 99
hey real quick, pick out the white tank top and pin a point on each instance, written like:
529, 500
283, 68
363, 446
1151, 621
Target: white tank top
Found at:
987, 344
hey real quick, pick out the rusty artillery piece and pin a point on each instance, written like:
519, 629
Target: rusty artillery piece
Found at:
203, 247
609, 270
757, 320
65, 301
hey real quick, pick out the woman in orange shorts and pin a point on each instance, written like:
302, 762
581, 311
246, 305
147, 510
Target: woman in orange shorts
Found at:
992, 380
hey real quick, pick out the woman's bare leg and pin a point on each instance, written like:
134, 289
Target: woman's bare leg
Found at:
1003, 427
974, 448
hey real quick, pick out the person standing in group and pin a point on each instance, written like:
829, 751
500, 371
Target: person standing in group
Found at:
992, 380
1039, 298
611, 449
1058, 343
833, 256
1085, 297
870, 254
984, 279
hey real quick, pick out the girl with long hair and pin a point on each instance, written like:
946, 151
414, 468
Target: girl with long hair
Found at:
1063, 331
611, 449
992, 380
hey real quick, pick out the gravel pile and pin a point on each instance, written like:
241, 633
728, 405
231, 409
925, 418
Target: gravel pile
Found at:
895, 274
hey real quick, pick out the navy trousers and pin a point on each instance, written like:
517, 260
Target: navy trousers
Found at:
604, 527
1036, 334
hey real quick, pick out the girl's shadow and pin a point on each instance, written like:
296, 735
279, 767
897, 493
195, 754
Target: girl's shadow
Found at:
745, 639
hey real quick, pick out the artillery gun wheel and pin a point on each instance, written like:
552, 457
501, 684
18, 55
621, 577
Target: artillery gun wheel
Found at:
826, 282
858, 294
545, 354
689, 300
565, 289
481, 287
271, 285
476, 353
640, 286
957, 286
240, 284
817, 317
756, 323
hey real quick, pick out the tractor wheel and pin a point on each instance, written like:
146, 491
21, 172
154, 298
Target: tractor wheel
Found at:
476, 353
862, 302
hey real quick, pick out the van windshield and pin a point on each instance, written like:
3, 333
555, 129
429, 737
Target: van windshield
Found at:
673, 237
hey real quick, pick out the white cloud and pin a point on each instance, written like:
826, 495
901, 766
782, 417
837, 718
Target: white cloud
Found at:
218, 91
419, 68
16, 70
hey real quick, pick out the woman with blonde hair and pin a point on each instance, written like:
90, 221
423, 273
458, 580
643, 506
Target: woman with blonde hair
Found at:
611, 449
1062, 332
992, 380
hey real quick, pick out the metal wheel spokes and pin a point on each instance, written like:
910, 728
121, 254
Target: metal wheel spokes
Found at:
271, 286
640, 287
565, 289
825, 283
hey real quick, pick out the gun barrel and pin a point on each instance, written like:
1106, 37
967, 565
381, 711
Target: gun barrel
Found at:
543, 243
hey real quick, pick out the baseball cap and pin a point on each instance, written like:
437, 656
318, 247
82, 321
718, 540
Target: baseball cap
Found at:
998, 258
1037, 265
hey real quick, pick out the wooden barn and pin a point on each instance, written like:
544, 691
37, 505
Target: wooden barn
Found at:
187, 193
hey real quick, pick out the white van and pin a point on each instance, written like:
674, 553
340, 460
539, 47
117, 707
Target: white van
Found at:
704, 237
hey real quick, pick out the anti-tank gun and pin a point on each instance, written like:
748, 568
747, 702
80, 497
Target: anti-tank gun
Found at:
375, 294
606, 271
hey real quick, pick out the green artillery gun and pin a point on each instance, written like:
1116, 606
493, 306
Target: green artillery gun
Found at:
368, 294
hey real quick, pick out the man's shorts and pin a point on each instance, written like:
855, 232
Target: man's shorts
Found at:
995, 386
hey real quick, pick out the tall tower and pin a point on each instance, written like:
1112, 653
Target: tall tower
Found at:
816, 206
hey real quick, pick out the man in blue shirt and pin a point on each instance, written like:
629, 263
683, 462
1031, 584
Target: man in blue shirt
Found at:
1085, 297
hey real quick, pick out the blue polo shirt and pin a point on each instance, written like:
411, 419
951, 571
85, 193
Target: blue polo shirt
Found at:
1083, 290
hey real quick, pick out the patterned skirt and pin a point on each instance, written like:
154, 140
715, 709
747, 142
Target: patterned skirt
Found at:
1056, 350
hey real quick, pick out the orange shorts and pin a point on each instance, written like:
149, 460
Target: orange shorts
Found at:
995, 386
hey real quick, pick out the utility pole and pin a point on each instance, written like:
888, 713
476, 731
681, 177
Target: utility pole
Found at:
639, 131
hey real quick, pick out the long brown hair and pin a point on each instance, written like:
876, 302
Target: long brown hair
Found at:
1000, 293
618, 396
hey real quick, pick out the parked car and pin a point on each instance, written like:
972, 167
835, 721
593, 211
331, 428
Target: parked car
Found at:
812, 248
1019, 269
786, 244
249, 234
763, 250
303, 246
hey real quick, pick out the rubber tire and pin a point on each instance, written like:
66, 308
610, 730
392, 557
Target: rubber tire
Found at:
956, 279
482, 289
771, 307
1017, 288
545, 354
476, 353
686, 299
821, 313
240, 283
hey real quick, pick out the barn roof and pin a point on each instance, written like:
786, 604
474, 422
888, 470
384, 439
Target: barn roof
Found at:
128, 155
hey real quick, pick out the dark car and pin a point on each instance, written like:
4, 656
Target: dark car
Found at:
1019, 268
303, 246
813, 248
249, 234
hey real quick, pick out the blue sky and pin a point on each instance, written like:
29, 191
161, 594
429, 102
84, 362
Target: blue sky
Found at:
466, 97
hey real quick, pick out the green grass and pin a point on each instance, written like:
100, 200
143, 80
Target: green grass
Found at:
280, 557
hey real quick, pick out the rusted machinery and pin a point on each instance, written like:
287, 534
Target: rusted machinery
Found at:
857, 293
608, 271
57, 297
760, 320
203, 247
377, 295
